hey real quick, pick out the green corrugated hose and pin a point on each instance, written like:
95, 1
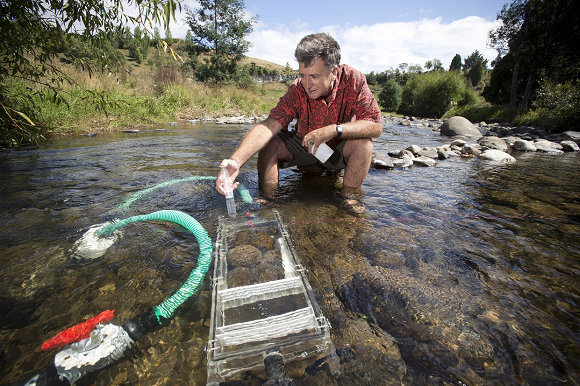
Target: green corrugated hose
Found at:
193, 283
244, 193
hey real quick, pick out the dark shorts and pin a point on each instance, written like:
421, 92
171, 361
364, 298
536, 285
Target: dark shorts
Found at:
301, 156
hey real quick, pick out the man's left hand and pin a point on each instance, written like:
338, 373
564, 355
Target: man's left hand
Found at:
312, 140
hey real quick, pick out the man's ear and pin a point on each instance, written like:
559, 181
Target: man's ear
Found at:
335, 72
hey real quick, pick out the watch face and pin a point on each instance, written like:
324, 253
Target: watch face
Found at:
339, 130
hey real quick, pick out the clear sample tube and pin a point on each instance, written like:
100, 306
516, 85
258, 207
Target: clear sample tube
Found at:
230, 204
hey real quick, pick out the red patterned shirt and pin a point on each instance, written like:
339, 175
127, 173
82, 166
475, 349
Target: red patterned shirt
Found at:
351, 100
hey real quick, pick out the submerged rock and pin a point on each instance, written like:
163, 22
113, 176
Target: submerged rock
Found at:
261, 240
240, 276
244, 256
265, 272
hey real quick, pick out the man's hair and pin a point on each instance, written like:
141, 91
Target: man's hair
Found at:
321, 46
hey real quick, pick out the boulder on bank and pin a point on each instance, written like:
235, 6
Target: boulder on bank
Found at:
459, 126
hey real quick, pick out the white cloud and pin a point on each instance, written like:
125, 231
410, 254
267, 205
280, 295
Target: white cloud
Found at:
381, 46
276, 46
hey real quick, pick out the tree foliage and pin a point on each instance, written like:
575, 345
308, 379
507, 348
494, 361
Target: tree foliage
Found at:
455, 63
32, 34
219, 28
433, 93
401, 74
474, 60
390, 95
475, 74
559, 104
542, 37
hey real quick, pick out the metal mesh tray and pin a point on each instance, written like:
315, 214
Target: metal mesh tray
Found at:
261, 301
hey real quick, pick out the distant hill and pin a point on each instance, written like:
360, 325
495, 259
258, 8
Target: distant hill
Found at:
264, 63
178, 45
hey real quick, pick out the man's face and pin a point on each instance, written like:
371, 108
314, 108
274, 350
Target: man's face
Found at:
317, 79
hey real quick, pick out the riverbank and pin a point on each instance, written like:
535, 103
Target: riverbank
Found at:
493, 141
147, 100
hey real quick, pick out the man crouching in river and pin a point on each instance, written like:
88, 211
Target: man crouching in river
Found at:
332, 103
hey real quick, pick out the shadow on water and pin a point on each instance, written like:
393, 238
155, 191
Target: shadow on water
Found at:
464, 273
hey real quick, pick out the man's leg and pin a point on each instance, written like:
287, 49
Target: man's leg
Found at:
358, 154
269, 158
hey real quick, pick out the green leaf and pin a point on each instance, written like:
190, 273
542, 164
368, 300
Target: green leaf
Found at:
25, 117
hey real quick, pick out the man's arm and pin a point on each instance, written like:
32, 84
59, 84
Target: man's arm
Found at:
254, 141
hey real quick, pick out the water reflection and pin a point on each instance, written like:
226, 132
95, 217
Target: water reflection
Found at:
465, 272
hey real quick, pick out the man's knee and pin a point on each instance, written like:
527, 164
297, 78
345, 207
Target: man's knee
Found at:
358, 148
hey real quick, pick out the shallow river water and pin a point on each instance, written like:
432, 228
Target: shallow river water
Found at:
463, 273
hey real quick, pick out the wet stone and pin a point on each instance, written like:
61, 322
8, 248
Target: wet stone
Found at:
240, 276
265, 272
272, 257
244, 256
262, 240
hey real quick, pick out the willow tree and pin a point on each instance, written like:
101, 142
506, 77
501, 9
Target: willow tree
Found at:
31, 34
218, 29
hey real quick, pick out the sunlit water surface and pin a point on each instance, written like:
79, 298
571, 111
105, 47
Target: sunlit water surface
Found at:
463, 273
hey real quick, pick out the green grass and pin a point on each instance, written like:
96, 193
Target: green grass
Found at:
480, 112
136, 101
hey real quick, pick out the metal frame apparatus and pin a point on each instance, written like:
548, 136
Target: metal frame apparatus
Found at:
249, 321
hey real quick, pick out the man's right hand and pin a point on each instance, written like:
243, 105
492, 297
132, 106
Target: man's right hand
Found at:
233, 168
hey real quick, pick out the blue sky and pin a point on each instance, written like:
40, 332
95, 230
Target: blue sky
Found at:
374, 35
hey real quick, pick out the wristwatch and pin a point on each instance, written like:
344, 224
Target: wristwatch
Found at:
339, 130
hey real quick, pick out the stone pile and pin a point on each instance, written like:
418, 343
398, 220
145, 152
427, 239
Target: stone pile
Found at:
234, 120
492, 142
